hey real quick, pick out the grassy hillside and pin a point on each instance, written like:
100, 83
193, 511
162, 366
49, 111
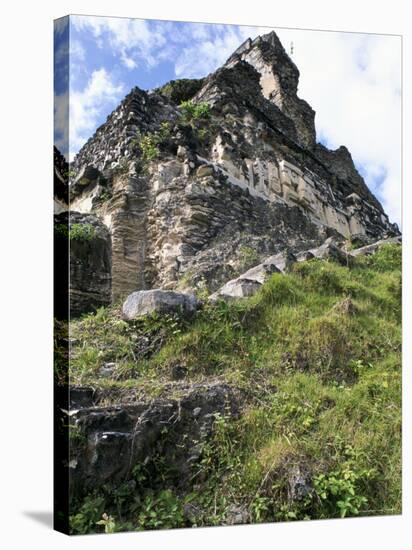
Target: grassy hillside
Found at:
316, 355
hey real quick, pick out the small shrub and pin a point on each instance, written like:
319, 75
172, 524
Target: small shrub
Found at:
149, 144
162, 511
194, 111
338, 491
149, 148
181, 90
82, 232
87, 517
105, 195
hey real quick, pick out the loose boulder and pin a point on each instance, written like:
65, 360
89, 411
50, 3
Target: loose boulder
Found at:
331, 249
374, 247
250, 282
146, 302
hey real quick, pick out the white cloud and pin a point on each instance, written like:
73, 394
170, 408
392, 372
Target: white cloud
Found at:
86, 106
61, 122
128, 61
209, 46
353, 82
77, 50
131, 39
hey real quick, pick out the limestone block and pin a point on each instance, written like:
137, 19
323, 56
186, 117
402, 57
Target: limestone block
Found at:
355, 225
237, 288
146, 302
274, 179
249, 282
372, 248
337, 220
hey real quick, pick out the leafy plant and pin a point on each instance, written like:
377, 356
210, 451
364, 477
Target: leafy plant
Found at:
108, 522
161, 511
149, 143
195, 111
259, 507
105, 195
149, 148
338, 491
76, 231
82, 232
182, 89
89, 514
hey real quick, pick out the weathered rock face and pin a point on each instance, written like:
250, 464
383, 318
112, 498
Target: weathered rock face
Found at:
113, 141
373, 247
251, 177
90, 260
278, 78
113, 440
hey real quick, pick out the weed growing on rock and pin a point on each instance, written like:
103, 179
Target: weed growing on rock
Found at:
194, 111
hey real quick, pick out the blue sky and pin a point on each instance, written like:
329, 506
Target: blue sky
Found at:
351, 80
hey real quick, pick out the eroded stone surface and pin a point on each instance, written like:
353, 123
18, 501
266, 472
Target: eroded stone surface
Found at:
112, 440
90, 261
373, 247
250, 177
251, 281
146, 302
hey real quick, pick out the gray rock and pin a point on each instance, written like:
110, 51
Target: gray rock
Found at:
330, 249
192, 512
251, 281
299, 483
179, 372
372, 248
107, 370
115, 439
176, 217
304, 256
146, 302
80, 397
237, 515
87, 175
237, 288
90, 263
197, 411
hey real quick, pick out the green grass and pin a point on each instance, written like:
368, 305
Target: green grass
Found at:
317, 355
